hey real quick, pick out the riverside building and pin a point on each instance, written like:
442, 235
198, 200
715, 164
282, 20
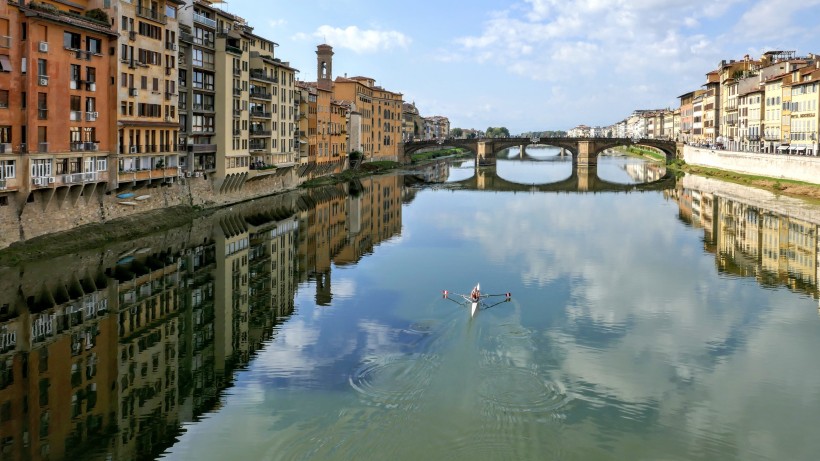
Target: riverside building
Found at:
56, 104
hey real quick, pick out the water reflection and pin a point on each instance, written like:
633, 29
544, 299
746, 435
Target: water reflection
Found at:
108, 359
753, 233
112, 353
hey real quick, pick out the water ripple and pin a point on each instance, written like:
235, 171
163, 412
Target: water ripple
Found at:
394, 381
519, 390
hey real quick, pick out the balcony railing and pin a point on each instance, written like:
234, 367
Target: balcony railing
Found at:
261, 95
75, 116
142, 175
233, 49
204, 107
259, 74
204, 20
85, 147
79, 178
152, 15
259, 113
260, 132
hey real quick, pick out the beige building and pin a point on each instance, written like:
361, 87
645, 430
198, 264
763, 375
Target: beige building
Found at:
772, 113
147, 94
805, 98
412, 123
750, 123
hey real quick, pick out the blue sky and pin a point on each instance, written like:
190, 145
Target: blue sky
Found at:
532, 65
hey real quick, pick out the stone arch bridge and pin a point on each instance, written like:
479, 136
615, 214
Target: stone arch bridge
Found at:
584, 150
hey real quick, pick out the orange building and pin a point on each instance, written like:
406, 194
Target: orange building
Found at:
56, 120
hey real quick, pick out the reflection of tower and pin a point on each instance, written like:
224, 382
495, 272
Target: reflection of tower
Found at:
323, 291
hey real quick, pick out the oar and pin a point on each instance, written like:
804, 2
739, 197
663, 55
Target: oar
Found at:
508, 295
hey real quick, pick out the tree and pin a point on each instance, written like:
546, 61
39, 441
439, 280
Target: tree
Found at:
98, 15
456, 132
500, 132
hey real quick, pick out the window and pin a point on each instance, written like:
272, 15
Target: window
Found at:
5, 64
4, 99
71, 40
42, 68
91, 74
93, 45
42, 106
8, 169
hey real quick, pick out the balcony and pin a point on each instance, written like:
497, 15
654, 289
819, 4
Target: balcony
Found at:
85, 146
261, 95
260, 113
202, 42
75, 116
145, 175
152, 15
82, 178
186, 37
259, 74
237, 72
204, 20
257, 147
260, 132
233, 49
202, 148
203, 107
42, 147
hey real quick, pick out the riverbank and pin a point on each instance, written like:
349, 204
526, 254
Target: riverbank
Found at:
783, 186
99, 234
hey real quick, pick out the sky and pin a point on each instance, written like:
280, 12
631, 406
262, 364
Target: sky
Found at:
532, 65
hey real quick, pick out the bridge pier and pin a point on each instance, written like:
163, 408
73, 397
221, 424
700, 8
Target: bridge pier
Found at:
485, 154
586, 153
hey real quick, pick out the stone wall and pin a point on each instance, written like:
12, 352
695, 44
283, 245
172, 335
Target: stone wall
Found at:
796, 167
50, 210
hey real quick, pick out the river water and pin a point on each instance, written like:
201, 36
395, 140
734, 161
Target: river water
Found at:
677, 324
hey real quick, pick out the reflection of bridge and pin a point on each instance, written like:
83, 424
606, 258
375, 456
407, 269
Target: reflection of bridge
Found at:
584, 178
583, 150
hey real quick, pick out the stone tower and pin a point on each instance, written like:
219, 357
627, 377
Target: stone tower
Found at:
324, 67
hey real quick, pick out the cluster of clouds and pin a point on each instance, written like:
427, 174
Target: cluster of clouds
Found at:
594, 53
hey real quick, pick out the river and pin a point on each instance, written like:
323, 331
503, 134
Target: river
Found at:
677, 324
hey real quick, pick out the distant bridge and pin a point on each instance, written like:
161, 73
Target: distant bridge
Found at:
583, 150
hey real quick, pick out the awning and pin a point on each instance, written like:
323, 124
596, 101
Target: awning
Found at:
783, 148
800, 148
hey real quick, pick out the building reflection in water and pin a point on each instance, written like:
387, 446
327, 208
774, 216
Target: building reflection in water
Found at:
776, 247
106, 355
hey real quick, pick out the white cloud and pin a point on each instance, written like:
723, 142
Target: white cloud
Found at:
358, 40
277, 22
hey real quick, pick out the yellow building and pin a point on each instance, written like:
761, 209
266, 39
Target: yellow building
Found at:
750, 107
805, 98
772, 114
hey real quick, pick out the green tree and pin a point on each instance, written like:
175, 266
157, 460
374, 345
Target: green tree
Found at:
456, 132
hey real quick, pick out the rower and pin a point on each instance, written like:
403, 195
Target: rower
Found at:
475, 294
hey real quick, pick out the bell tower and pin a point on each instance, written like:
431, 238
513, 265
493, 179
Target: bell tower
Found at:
324, 67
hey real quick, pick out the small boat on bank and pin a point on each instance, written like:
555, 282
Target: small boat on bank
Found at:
142, 197
129, 203
125, 195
